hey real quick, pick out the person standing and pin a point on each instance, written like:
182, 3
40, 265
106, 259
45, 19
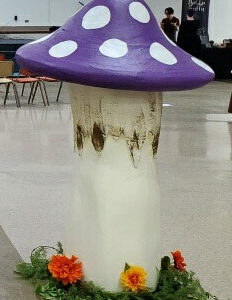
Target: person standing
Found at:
189, 35
170, 24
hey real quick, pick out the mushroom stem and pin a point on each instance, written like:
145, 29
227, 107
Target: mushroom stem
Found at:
115, 215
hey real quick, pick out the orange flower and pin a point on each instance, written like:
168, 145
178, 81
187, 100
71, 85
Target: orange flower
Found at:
134, 278
178, 260
65, 269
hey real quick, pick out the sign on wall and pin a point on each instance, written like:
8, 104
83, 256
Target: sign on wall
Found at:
201, 8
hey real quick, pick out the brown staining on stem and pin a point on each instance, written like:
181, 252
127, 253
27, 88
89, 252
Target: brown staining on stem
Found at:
135, 140
140, 120
121, 131
155, 142
98, 138
152, 105
100, 115
79, 138
135, 144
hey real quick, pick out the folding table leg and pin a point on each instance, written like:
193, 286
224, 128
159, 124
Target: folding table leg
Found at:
31, 92
7, 92
23, 89
16, 94
36, 87
41, 90
45, 91
58, 95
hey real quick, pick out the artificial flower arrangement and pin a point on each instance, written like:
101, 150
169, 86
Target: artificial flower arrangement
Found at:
62, 278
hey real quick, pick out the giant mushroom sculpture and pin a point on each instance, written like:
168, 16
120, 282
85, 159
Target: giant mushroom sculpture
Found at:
117, 62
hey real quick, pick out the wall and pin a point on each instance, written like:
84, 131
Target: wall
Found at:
158, 7
38, 12
61, 10
56, 12
220, 21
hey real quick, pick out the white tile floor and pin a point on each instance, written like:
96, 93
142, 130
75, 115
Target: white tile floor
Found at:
195, 166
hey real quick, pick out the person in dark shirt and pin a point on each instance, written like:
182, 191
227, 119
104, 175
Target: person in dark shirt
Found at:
189, 35
171, 24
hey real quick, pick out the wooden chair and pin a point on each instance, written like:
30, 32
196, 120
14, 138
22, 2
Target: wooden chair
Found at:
6, 70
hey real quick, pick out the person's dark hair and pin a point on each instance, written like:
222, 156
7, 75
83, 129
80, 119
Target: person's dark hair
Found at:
190, 13
169, 11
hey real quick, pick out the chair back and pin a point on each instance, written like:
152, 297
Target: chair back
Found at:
6, 68
2, 57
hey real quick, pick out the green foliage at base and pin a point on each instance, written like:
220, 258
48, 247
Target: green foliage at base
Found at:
173, 284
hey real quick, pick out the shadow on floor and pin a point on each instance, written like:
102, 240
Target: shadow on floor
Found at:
11, 286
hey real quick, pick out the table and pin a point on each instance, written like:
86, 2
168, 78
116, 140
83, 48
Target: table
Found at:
220, 60
25, 29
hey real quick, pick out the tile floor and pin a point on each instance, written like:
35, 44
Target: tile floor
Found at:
195, 167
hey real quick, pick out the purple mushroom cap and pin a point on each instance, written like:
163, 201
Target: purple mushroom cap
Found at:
115, 44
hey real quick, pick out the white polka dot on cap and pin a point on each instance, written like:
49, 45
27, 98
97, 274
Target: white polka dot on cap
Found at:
139, 12
97, 17
162, 54
202, 64
63, 49
114, 48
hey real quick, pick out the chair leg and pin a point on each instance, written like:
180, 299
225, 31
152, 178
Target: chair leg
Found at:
7, 92
23, 89
36, 87
230, 105
41, 90
45, 91
31, 92
58, 95
16, 94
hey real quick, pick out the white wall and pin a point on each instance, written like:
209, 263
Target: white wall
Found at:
38, 12
56, 12
220, 21
158, 7
25, 9
61, 10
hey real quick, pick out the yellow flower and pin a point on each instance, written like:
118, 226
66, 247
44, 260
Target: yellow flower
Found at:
134, 278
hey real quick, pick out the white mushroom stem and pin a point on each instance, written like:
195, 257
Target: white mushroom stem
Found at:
115, 216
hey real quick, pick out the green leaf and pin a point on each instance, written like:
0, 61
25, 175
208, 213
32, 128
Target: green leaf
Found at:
165, 263
173, 284
127, 267
25, 270
49, 291
60, 249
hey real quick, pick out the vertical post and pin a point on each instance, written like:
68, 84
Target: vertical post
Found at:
115, 215
230, 105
